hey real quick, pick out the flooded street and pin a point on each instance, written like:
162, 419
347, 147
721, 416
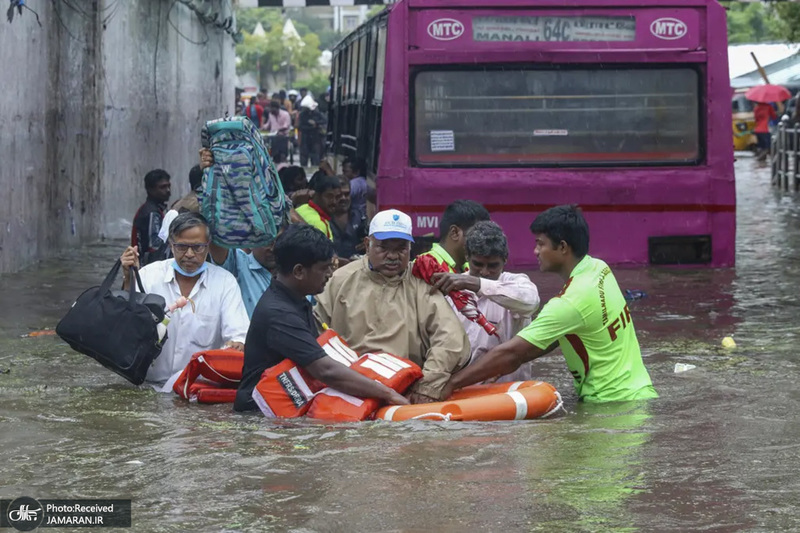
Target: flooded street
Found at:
719, 451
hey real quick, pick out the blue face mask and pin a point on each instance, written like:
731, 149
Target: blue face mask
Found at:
182, 272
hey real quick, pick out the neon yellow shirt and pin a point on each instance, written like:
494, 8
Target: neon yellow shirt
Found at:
441, 255
592, 323
314, 218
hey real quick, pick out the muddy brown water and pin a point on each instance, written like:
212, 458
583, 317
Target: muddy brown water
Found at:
719, 451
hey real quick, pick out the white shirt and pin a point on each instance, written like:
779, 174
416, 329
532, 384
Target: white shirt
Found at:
219, 315
509, 303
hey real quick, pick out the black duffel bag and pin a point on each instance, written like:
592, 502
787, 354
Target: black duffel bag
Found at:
116, 328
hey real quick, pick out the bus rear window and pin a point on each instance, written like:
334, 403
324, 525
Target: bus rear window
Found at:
514, 117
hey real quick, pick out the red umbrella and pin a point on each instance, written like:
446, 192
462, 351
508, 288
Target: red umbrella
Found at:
767, 94
426, 266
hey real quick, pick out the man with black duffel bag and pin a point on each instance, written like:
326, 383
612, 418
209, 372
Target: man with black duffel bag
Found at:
215, 316
117, 328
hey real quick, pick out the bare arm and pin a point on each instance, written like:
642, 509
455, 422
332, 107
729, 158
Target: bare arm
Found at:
342, 378
499, 361
129, 258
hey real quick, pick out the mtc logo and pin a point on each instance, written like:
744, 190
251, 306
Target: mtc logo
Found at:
668, 28
445, 29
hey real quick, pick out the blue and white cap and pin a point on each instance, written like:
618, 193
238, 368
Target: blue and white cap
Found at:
391, 224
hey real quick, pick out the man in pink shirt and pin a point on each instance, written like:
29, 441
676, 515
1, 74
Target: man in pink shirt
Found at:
507, 300
278, 120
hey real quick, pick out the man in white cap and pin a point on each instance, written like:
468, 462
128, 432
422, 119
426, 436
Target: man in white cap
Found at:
376, 304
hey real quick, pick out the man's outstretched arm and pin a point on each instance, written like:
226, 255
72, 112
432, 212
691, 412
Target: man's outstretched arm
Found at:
499, 361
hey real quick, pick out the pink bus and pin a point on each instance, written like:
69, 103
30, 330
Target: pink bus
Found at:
620, 106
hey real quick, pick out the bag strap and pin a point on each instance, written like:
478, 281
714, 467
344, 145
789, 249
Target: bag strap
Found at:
138, 279
112, 275
132, 288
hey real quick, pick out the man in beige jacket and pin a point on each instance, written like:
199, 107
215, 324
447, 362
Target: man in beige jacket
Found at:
375, 304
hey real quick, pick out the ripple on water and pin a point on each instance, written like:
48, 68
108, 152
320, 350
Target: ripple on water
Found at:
717, 451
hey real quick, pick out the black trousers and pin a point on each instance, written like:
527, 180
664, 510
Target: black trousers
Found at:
309, 147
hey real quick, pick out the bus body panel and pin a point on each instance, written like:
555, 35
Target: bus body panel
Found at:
626, 205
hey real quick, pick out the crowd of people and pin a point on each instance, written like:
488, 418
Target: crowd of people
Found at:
290, 118
339, 265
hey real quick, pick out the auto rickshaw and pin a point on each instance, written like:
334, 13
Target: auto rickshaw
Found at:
743, 122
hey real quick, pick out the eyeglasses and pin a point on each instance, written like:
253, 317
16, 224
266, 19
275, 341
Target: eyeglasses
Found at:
183, 247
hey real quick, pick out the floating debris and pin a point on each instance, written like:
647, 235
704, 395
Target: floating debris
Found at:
631, 295
40, 333
728, 343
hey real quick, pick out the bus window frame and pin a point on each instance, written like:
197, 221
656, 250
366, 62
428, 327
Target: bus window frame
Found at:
380, 73
361, 69
702, 124
352, 65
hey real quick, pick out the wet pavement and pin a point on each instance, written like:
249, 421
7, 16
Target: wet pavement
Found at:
719, 451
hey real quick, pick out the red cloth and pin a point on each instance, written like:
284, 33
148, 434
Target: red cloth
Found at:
763, 113
259, 112
322, 214
425, 266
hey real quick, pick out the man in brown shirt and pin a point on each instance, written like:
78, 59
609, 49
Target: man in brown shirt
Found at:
376, 304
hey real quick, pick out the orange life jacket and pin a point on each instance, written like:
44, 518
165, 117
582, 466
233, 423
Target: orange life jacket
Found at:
206, 392
286, 390
222, 368
394, 372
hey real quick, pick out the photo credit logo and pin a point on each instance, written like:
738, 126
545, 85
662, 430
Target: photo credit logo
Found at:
27, 514
23, 514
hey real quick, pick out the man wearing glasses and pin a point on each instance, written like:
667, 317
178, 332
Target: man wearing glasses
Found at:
215, 317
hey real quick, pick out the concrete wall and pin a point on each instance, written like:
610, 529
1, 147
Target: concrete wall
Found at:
88, 106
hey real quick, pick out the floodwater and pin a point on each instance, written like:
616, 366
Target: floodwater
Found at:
719, 451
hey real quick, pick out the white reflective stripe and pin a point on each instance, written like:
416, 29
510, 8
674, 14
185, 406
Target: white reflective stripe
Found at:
262, 404
358, 402
337, 344
514, 386
335, 354
378, 368
389, 414
301, 383
521, 403
203, 360
395, 363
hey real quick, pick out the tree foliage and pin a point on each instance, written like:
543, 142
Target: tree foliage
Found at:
758, 22
751, 22
272, 52
307, 20
247, 19
317, 83
788, 15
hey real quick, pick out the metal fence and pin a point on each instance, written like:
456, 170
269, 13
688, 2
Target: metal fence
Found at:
785, 157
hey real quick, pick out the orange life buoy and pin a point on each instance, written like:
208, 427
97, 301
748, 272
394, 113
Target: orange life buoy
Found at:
223, 367
394, 372
286, 390
520, 400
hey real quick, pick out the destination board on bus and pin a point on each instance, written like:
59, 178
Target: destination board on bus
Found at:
554, 29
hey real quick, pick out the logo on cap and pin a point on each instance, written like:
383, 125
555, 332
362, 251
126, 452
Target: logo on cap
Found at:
395, 217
